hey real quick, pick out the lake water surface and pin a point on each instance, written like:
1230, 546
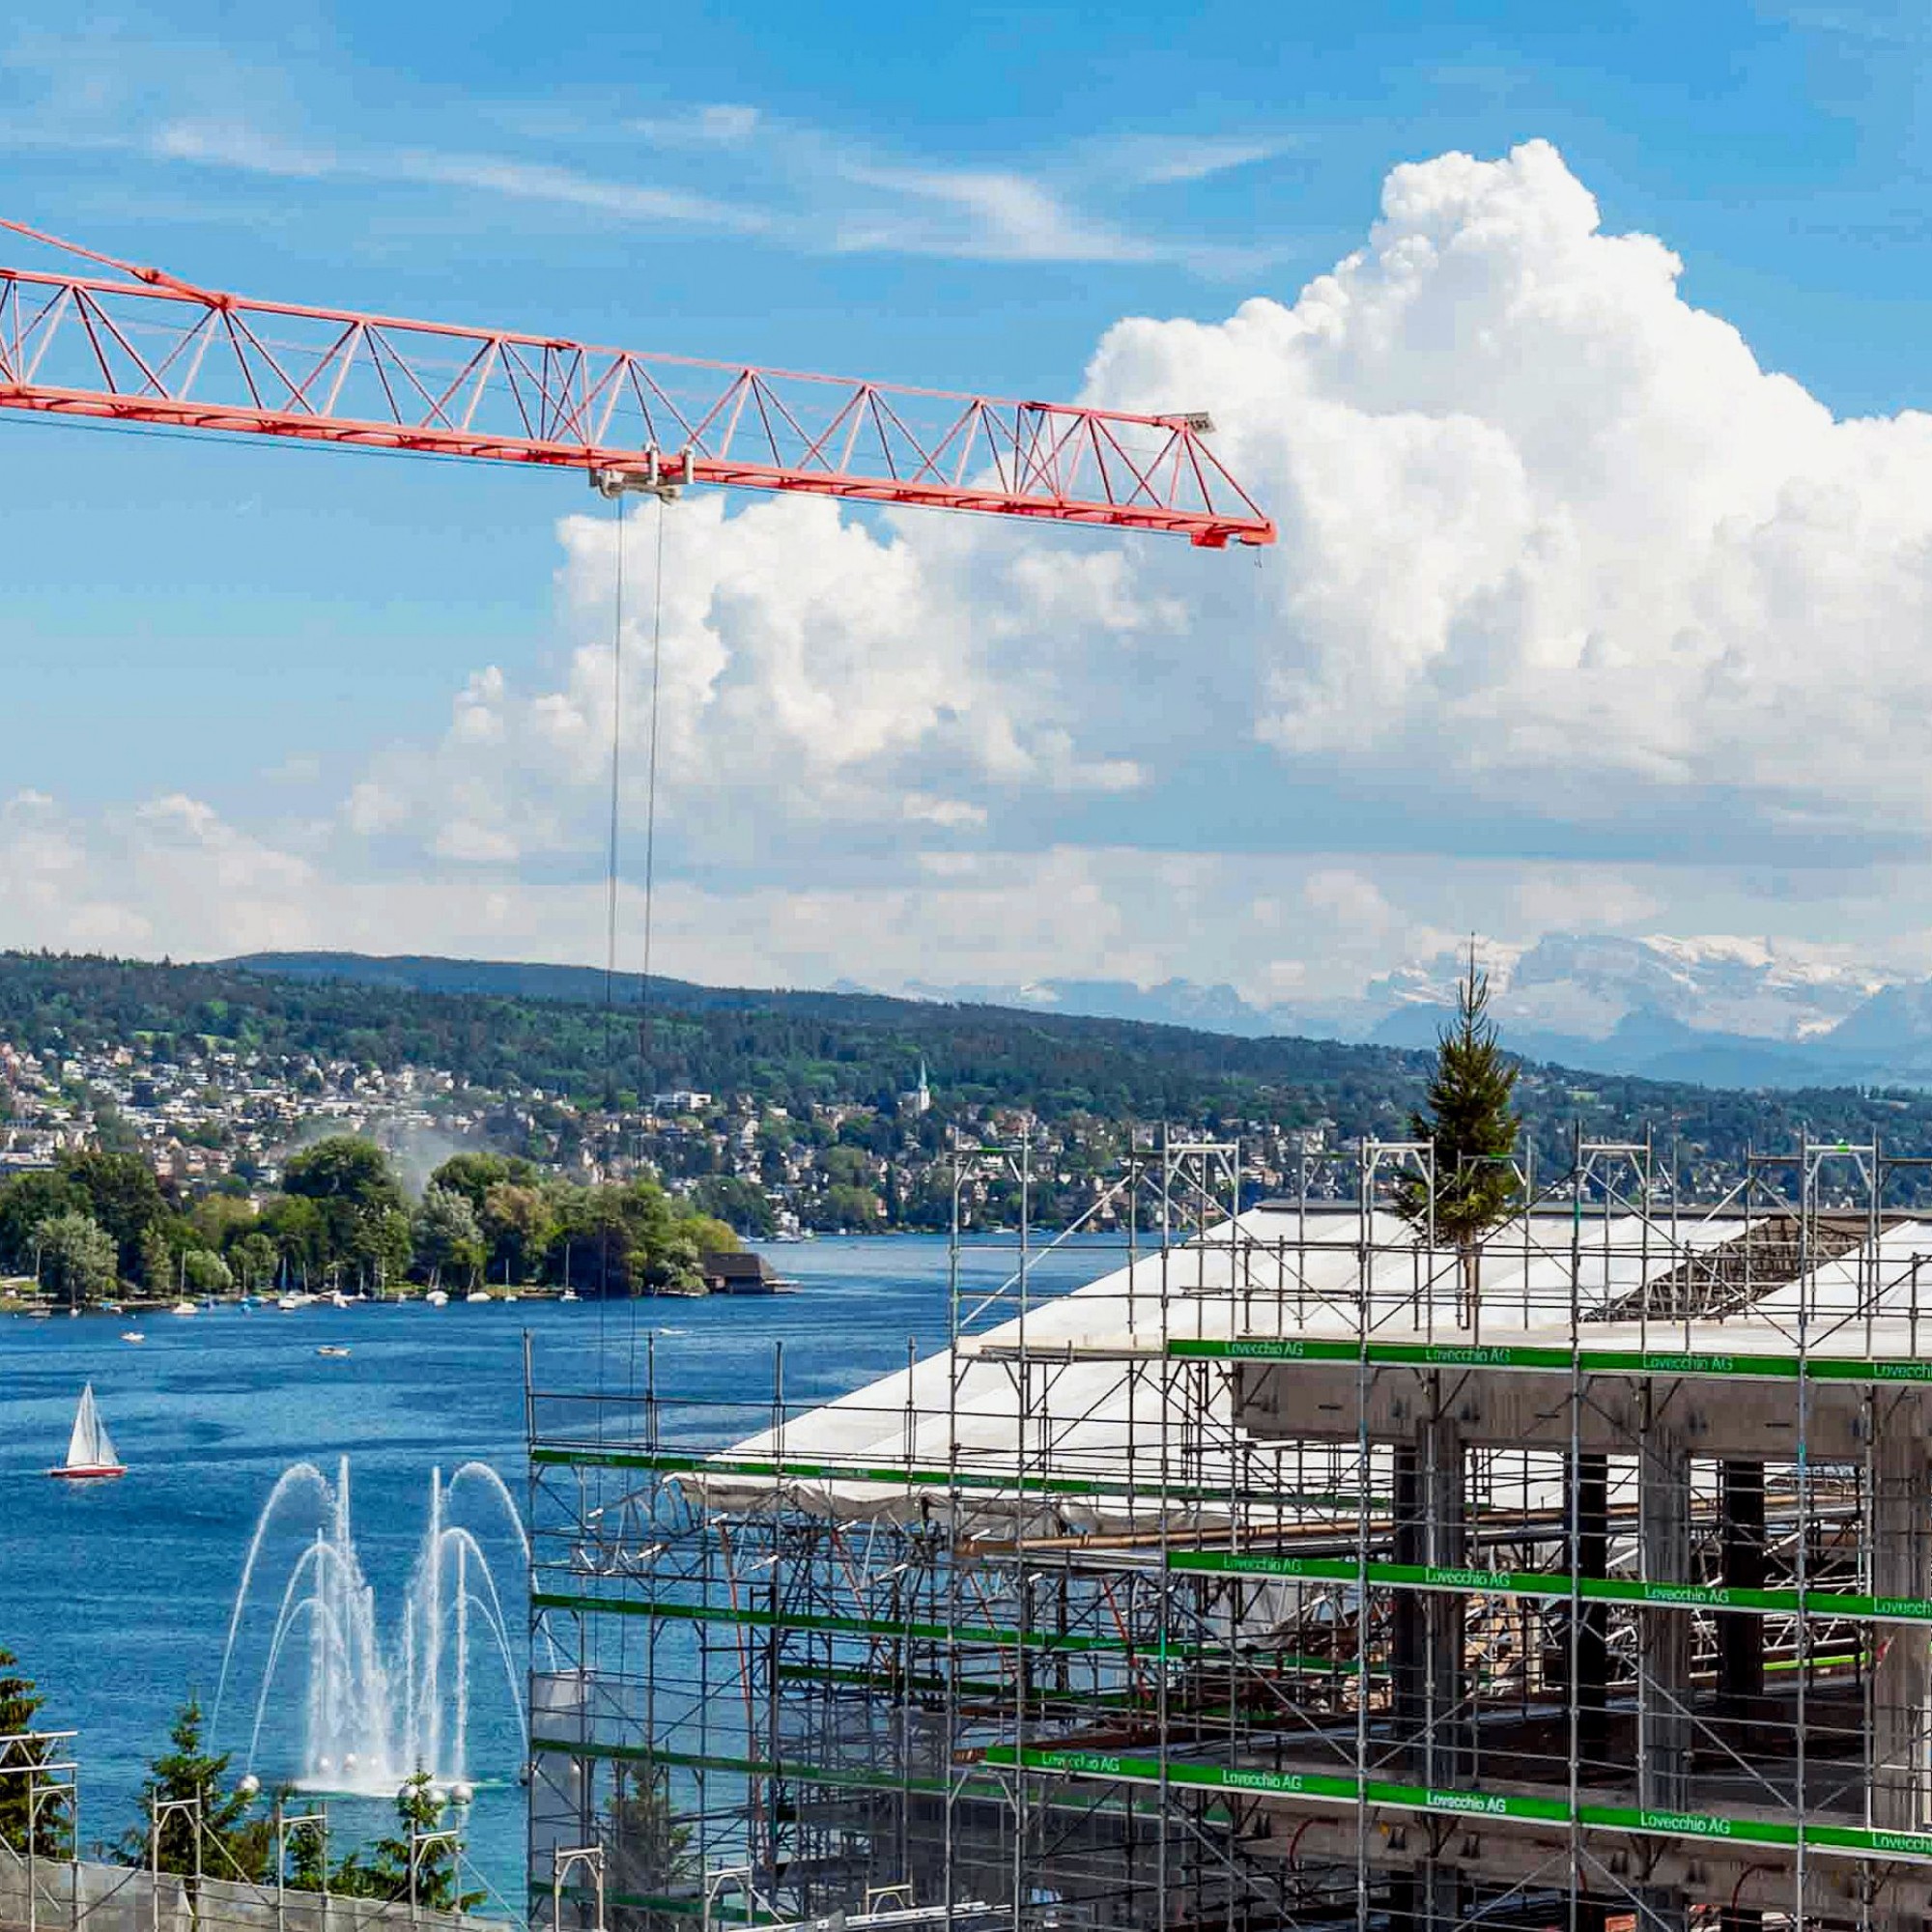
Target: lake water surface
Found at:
117, 1595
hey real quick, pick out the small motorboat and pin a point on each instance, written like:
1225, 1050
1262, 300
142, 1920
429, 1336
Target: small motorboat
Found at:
334, 1352
133, 1335
90, 1451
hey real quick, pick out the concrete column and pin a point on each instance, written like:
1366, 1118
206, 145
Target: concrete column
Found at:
1743, 1565
1426, 1898
1900, 1547
1449, 1736
1401, 1901
1660, 1910
1664, 1646
1407, 1639
1593, 1632
1428, 1637
1440, 1893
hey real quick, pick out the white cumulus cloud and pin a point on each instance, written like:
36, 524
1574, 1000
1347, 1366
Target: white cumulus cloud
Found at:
1567, 581
1550, 534
1555, 550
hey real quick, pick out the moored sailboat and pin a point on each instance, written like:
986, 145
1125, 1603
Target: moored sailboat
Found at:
90, 1450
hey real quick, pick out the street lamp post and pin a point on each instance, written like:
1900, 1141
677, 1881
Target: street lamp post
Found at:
316, 1821
41, 1758
421, 1842
564, 1860
159, 1810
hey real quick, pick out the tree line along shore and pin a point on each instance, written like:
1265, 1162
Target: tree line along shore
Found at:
101, 1225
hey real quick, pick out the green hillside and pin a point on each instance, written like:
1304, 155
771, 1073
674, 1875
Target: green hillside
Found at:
797, 1048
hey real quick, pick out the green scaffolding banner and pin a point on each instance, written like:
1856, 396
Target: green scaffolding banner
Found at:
1017, 1483
1785, 1367
1555, 1586
1845, 1840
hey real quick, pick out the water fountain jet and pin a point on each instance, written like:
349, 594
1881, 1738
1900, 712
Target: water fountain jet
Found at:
372, 1713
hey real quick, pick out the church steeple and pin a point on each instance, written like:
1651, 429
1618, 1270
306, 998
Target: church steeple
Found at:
918, 1099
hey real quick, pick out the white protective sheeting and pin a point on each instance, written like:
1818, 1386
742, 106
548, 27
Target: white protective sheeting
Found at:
1109, 1437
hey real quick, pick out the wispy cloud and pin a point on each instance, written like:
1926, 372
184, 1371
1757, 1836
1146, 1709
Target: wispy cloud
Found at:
235, 144
978, 213
1159, 161
529, 181
247, 150
726, 167
1879, 27
718, 123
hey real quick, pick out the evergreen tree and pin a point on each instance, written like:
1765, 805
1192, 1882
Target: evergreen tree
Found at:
1473, 1129
650, 1848
419, 1810
306, 1864
233, 1844
26, 1809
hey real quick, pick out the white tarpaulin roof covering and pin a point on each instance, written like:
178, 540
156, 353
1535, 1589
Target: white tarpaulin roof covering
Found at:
1106, 1442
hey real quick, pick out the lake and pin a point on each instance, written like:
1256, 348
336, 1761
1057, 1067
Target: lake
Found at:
117, 1596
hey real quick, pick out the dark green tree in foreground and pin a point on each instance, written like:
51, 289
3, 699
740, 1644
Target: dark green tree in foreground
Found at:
305, 1861
233, 1843
30, 1809
1473, 1128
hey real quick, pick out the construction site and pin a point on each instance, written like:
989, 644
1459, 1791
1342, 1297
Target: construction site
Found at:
1300, 1570
1303, 1568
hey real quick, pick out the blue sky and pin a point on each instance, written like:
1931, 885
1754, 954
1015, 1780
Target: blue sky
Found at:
966, 197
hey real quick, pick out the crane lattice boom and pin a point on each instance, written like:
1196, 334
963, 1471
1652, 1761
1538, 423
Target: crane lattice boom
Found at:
145, 348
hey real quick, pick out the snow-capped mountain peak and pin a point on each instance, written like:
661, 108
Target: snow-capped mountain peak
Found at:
1715, 1006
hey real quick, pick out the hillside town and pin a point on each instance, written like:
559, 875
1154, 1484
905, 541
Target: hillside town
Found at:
213, 1118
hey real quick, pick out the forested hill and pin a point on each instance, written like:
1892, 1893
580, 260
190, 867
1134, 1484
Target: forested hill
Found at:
784, 1047
545, 1027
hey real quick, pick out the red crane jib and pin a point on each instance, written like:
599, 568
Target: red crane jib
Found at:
150, 349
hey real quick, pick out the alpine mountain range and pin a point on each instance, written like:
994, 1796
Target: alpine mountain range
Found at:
1719, 1010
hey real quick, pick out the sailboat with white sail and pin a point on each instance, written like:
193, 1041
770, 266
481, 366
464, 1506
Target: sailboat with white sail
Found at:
90, 1450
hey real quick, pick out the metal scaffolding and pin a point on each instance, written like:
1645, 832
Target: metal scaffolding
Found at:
1298, 1570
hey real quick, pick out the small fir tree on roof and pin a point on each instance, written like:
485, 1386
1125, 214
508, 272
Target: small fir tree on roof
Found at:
1473, 1129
